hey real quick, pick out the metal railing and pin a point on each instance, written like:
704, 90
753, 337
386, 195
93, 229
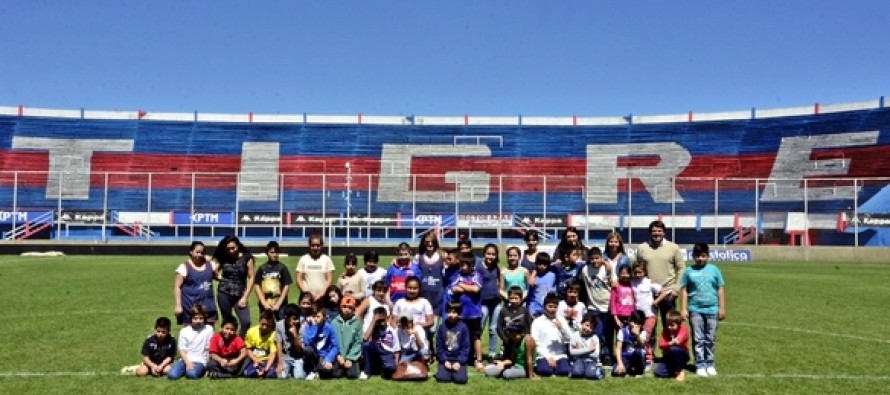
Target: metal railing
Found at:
500, 208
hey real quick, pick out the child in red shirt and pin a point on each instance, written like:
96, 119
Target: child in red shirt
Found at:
674, 347
228, 356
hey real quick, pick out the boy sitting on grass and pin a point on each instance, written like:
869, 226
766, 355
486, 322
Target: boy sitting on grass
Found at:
551, 333
158, 351
674, 347
261, 348
194, 341
228, 356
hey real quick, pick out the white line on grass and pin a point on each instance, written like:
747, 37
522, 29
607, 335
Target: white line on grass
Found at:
781, 376
84, 312
808, 331
55, 374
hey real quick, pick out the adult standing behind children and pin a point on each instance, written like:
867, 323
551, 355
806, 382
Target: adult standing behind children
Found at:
571, 240
193, 284
236, 277
615, 254
665, 264
431, 263
315, 269
530, 256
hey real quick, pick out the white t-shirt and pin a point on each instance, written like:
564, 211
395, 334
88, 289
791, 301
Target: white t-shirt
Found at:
577, 313
409, 342
370, 279
183, 271
368, 319
196, 342
644, 294
550, 341
418, 309
315, 271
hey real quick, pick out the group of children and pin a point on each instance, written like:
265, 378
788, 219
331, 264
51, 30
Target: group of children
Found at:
562, 317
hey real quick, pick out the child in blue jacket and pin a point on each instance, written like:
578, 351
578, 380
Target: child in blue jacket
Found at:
320, 347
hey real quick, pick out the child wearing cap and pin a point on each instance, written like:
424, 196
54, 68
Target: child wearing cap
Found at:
349, 337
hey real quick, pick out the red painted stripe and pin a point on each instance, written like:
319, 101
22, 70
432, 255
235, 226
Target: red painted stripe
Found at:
520, 174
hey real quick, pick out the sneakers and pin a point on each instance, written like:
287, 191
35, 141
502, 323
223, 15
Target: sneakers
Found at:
648, 366
701, 372
312, 376
362, 376
129, 370
681, 376
711, 371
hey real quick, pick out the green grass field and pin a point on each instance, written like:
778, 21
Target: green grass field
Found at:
70, 323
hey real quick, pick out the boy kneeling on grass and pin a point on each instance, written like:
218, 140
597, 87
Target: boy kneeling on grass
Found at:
551, 333
630, 347
452, 347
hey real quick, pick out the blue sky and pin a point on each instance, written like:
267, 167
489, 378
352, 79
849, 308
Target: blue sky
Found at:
590, 58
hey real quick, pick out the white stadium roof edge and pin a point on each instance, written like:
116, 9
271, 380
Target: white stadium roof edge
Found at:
465, 120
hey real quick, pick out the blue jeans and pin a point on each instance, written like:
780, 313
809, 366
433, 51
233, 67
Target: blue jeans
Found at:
563, 368
673, 361
458, 376
605, 330
586, 369
178, 370
634, 362
378, 360
410, 356
293, 368
704, 338
491, 311
251, 370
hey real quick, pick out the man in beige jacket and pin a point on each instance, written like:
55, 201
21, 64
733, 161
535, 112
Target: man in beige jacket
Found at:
664, 263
